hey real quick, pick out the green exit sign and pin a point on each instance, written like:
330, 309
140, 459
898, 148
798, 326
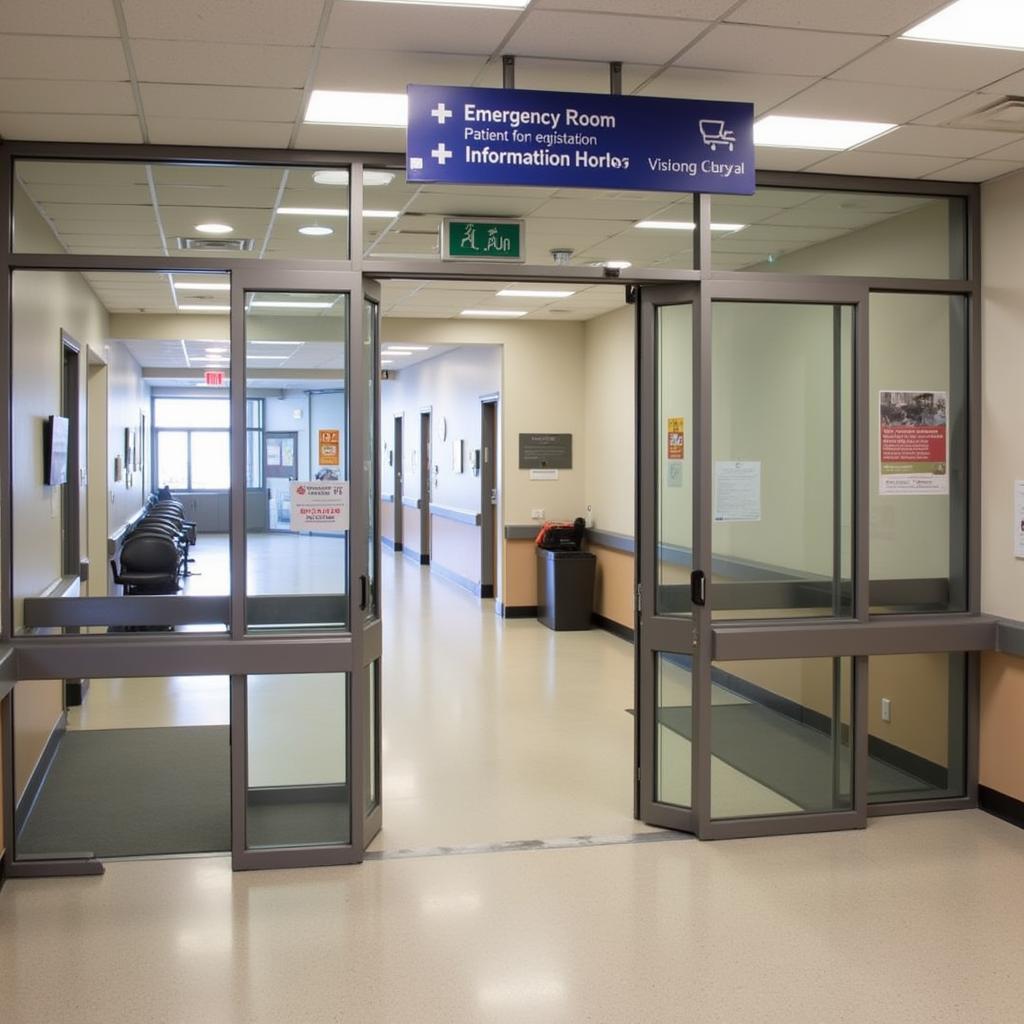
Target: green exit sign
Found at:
463, 238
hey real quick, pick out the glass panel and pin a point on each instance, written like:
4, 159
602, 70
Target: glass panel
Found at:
372, 750
861, 234
674, 730
297, 531
297, 778
121, 359
211, 460
918, 491
371, 314
142, 770
781, 737
403, 221
674, 434
181, 210
172, 454
782, 432
917, 742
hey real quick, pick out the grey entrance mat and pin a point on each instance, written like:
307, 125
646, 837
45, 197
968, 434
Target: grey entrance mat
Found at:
793, 759
134, 792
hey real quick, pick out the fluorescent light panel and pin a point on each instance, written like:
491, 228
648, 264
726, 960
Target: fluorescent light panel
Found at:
494, 312
406, 348
532, 293
188, 286
204, 309
276, 304
371, 178
683, 225
816, 132
366, 109
993, 23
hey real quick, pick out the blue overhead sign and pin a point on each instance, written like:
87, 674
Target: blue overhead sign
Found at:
578, 140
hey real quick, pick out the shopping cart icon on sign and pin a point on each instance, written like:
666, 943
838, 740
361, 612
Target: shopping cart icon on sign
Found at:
714, 134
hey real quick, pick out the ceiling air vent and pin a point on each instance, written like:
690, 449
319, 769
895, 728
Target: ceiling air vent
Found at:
216, 244
1005, 115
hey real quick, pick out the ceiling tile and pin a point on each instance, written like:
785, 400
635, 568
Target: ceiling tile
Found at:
62, 57
695, 9
775, 50
58, 17
388, 71
977, 170
29, 96
1013, 85
223, 102
338, 137
187, 131
956, 108
888, 165
70, 127
927, 66
778, 158
927, 140
883, 17
294, 23
408, 27
1011, 149
602, 37
763, 91
284, 67
864, 101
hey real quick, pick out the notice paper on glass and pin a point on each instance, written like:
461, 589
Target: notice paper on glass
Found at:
737, 492
1018, 519
913, 443
319, 507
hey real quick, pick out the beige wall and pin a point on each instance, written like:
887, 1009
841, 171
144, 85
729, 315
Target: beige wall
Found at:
456, 547
38, 709
613, 588
1002, 575
387, 520
519, 587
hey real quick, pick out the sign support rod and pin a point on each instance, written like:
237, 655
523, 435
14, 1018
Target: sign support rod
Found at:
615, 77
508, 71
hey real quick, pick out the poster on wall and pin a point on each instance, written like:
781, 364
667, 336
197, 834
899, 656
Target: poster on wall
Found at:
737, 492
1018, 519
913, 442
676, 437
319, 507
330, 447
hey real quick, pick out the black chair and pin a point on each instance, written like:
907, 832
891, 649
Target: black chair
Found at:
150, 564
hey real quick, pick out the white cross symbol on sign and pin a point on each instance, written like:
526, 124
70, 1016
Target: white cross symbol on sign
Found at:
442, 113
441, 154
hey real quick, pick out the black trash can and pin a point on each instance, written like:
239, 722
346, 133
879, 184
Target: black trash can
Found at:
565, 588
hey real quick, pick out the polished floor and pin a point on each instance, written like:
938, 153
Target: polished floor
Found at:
916, 919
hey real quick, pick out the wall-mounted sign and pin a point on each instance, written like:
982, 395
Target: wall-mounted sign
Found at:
545, 451
319, 507
737, 492
913, 443
465, 239
676, 437
578, 140
330, 447
214, 378
55, 450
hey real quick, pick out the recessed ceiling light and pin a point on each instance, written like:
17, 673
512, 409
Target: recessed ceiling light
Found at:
532, 293
316, 229
276, 304
204, 309
369, 109
493, 312
497, 5
994, 23
683, 225
816, 132
371, 178
188, 286
215, 229
614, 264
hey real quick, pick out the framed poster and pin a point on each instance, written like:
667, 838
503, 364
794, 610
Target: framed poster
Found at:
913, 440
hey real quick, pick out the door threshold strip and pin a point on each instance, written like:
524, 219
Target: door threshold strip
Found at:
531, 845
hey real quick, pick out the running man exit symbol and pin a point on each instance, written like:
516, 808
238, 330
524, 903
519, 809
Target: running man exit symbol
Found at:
441, 113
442, 154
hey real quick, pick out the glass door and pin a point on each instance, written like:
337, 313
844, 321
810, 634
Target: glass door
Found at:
746, 512
671, 583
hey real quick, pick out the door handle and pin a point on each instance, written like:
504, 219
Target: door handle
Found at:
363, 592
698, 587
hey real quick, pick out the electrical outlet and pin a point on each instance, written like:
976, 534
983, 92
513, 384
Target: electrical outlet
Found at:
886, 709
537, 515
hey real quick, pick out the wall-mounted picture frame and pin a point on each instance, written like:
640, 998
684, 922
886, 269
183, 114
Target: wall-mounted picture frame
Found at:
118, 468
